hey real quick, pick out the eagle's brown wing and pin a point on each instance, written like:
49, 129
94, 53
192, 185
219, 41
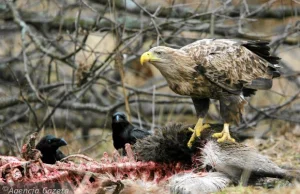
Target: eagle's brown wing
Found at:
231, 65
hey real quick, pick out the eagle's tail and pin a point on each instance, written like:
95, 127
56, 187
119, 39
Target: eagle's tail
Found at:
257, 84
262, 49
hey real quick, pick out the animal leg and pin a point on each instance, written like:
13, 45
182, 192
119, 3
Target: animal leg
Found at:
224, 135
197, 131
231, 108
201, 107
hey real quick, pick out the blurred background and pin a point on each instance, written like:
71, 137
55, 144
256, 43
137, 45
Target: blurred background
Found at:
67, 65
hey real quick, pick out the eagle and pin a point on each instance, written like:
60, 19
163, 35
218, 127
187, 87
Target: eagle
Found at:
223, 69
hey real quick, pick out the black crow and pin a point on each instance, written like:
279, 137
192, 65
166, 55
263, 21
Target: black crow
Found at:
48, 146
124, 132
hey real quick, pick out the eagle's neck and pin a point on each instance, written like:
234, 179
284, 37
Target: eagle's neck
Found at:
180, 68
179, 74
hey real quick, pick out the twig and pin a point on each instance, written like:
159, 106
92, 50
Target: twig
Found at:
33, 37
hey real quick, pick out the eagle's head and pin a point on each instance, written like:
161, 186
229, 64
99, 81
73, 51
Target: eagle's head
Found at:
158, 56
169, 61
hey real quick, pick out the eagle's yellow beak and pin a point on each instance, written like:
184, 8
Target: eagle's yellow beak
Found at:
147, 57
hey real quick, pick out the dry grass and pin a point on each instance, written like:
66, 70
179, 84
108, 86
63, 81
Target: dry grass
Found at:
293, 189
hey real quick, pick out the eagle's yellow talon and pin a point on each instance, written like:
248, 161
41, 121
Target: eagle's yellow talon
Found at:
224, 135
223, 138
192, 139
190, 144
197, 131
205, 126
191, 130
217, 135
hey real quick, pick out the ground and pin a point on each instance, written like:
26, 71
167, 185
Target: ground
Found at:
282, 147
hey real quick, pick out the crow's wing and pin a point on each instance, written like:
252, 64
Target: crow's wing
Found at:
137, 133
59, 155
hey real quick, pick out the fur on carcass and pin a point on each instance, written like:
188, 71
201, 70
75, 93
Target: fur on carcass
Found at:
160, 163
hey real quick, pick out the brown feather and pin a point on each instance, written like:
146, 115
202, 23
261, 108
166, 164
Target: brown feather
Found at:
227, 63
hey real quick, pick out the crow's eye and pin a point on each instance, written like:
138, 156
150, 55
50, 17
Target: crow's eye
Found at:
49, 140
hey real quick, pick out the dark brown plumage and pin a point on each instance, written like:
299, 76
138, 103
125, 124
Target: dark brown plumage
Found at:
226, 70
167, 145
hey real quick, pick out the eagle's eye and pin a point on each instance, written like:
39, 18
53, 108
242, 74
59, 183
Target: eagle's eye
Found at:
158, 52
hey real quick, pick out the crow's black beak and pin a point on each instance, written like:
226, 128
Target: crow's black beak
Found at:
117, 118
62, 142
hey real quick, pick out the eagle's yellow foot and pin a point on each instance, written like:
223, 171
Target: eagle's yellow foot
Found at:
224, 135
197, 131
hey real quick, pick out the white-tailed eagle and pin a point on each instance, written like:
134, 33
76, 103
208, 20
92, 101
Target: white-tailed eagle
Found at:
222, 69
